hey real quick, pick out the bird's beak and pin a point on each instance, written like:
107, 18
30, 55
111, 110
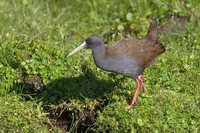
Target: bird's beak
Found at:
83, 45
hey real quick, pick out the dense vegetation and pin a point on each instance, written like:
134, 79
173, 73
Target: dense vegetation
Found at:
43, 91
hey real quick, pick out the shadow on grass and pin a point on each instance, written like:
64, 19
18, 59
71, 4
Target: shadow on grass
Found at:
78, 88
67, 89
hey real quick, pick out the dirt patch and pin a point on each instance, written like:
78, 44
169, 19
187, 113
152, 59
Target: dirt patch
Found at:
75, 120
29, 85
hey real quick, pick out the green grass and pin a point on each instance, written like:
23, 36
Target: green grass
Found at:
39, 85
17, 115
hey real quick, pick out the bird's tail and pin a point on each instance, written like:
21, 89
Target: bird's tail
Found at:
153, 31
152, 35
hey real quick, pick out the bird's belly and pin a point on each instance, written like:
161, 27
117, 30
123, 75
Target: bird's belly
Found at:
125, 65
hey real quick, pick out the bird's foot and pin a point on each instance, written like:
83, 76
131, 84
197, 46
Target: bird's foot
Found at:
132, 104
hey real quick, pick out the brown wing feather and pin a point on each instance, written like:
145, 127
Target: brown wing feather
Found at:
143, 50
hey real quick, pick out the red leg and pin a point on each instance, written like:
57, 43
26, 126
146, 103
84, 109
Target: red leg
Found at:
140, 77
139, 83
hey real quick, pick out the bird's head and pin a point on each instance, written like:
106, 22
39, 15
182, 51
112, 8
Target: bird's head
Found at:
89, 43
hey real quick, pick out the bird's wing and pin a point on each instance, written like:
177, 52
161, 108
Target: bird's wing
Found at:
143, 50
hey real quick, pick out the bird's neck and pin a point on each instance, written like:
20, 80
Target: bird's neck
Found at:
99, 54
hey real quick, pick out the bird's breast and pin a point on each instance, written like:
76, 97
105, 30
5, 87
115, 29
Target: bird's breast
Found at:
125, 65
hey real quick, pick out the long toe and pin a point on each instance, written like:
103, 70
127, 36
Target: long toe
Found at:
129, 106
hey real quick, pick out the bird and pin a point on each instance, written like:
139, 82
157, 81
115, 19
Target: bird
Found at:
128, 57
